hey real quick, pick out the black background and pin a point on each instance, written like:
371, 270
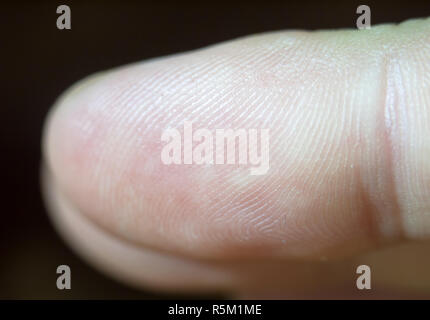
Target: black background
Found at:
38, 62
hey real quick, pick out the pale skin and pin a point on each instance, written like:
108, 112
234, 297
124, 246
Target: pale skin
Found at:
349, 179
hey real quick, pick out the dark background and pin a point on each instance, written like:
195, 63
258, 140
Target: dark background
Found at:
38, 62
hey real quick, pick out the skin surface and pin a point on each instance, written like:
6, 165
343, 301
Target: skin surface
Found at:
349, 179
